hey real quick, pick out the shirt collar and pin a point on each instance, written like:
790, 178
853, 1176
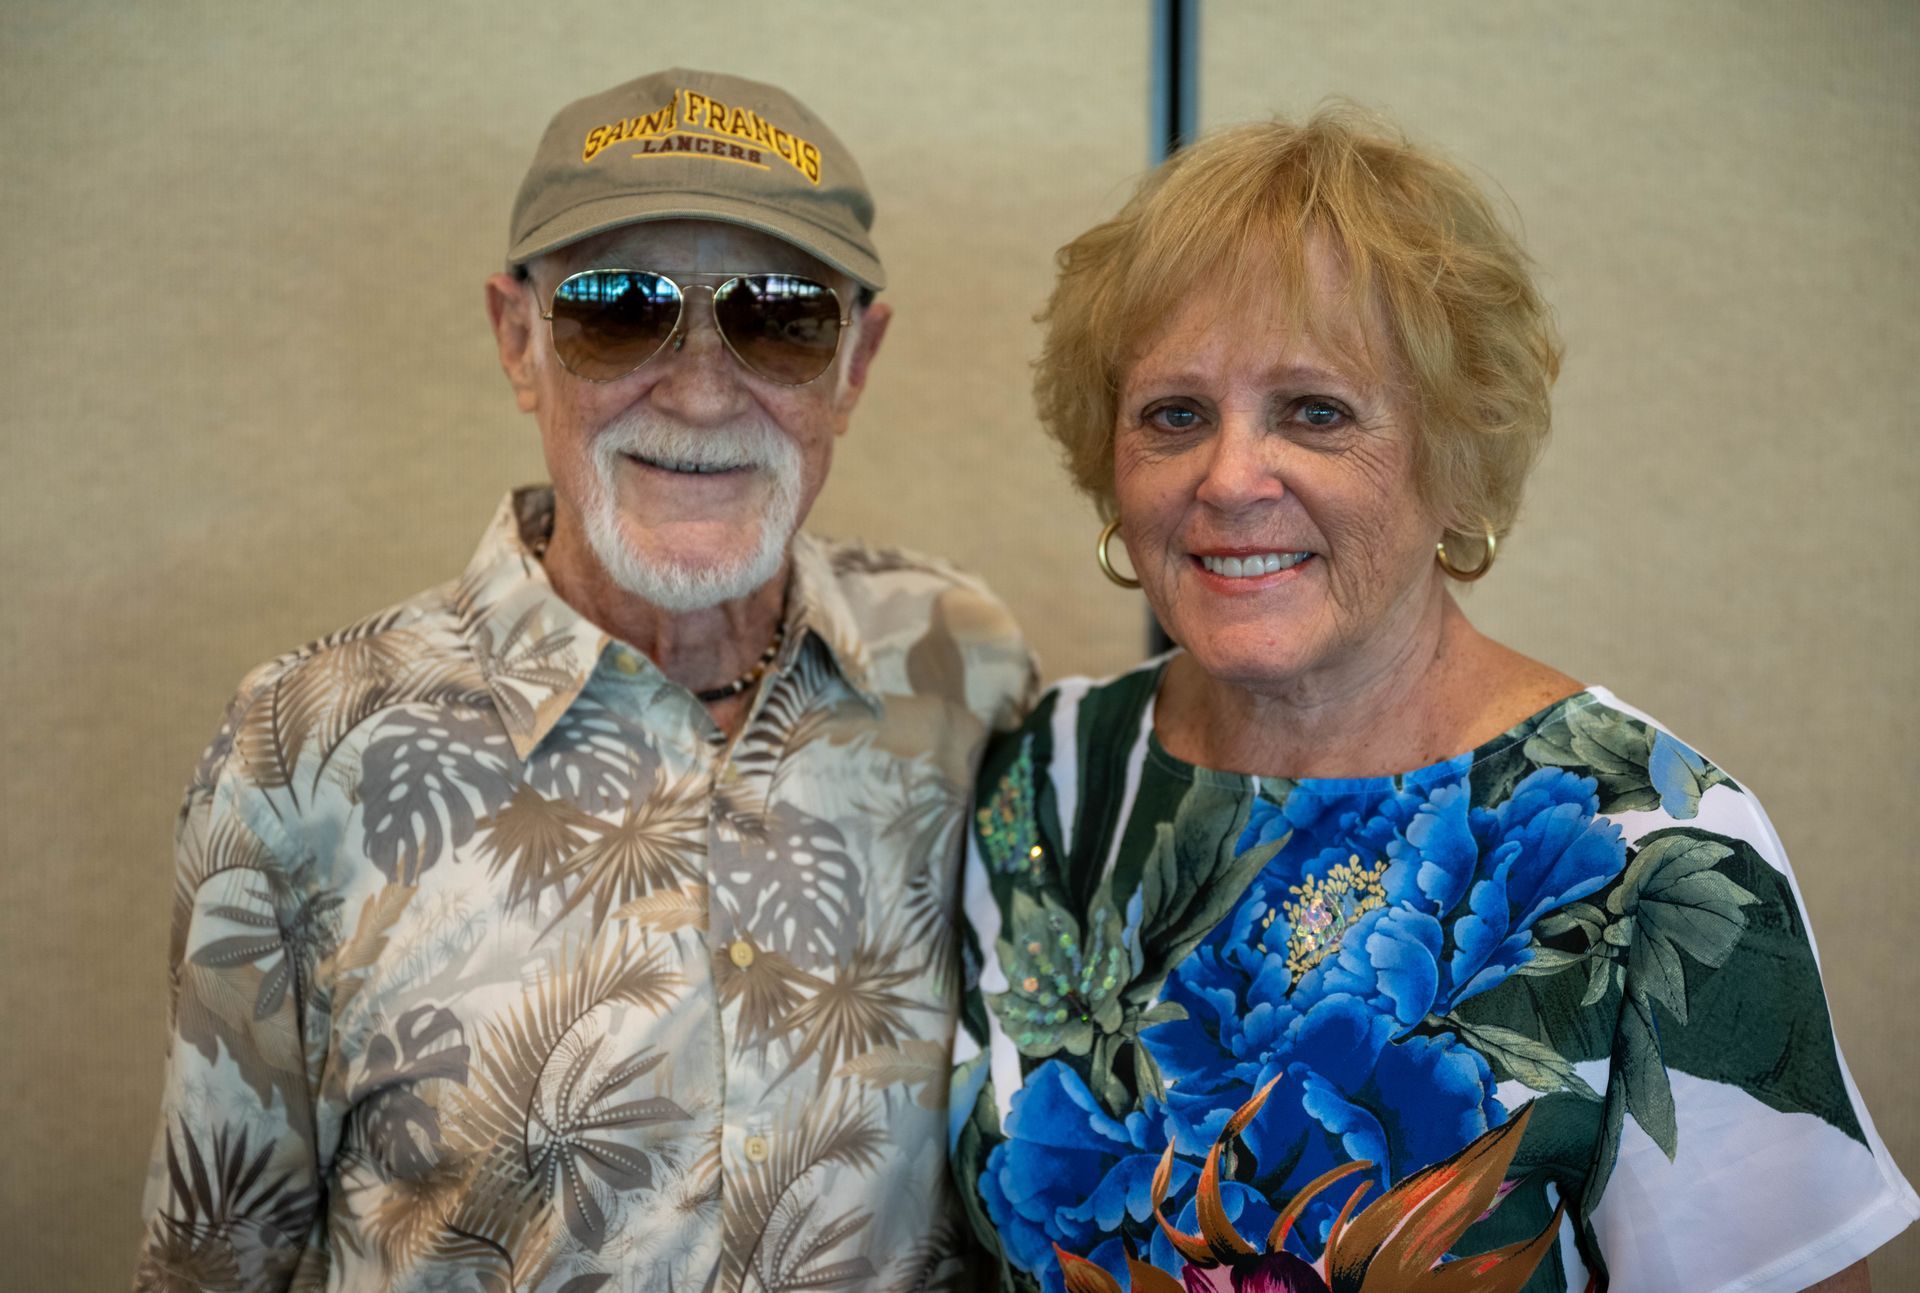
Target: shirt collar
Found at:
537, 653
817, 606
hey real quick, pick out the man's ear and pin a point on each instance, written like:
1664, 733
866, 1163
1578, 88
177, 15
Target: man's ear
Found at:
867, 336
511, 310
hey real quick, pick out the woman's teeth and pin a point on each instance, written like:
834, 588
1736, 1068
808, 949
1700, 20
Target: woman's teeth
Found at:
1262, 563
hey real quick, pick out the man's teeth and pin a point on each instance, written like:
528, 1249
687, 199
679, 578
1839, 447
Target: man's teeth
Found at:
1262, 563
692, 468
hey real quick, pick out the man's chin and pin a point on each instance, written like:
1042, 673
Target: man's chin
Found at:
724, 559
682, 581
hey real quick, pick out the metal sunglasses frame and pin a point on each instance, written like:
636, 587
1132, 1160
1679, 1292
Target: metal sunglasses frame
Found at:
677, 337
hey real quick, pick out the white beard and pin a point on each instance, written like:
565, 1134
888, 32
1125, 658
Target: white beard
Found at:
675, 586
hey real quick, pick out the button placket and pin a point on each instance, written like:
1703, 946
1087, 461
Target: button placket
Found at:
749, 1135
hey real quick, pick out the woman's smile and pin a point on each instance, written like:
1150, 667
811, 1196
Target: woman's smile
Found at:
1238, 572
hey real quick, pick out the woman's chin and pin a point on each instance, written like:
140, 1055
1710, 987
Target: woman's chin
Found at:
1257, 658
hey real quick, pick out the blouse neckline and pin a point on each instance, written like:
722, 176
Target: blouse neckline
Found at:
1447, 769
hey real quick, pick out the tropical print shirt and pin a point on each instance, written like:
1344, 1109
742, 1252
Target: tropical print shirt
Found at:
1544, 1016
496, 967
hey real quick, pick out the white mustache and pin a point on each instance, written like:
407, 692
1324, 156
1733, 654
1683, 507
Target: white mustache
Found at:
747, 444
692, 581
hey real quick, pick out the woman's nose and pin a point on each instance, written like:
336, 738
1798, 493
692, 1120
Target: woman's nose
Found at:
1240, 469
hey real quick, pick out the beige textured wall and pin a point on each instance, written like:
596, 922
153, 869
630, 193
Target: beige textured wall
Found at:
249, 395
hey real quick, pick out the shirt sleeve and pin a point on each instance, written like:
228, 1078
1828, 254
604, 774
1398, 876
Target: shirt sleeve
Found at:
1747, 1160
233, 1194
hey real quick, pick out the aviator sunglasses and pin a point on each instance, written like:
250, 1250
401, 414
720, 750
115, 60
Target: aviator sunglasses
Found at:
608, 322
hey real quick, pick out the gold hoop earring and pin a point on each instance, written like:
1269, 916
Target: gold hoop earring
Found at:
1106, 562
1467, 576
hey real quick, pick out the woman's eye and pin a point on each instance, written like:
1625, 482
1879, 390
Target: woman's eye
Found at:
1173, 417
1321, 413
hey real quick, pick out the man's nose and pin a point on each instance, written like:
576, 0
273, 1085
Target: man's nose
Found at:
697, 315
700, 379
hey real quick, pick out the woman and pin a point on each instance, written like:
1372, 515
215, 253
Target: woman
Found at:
1344, 940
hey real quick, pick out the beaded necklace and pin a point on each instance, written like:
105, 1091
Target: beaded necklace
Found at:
538, 547
748, 678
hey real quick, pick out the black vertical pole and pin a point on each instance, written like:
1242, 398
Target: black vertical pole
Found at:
1176, 77
1173, 108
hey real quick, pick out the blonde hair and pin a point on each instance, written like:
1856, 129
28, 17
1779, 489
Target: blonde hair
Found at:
1473, 343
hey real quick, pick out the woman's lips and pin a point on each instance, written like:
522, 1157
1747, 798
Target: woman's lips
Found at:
1250, 564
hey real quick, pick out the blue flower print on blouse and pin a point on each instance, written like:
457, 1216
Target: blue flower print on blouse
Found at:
1417, 905
1342, 817
1348, 1090
1068, 1171
1461, 890
1389, 906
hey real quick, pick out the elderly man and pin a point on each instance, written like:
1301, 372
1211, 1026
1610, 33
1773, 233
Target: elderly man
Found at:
584, 922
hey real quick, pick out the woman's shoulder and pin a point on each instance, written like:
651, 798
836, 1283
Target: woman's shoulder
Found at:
1128, 692
1519, 711
1073, 711
1635, 762
1053, 795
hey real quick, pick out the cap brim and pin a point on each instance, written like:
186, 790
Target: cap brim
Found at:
589, 218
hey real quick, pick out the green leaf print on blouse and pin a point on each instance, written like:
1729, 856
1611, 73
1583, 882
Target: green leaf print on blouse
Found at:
1088, 985
1669, 900
1530, 1062
1064, 977
1193, 877
1191, 882
1637, 766
1009, 834
1696, 931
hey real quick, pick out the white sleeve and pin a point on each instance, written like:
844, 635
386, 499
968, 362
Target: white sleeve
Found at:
1755, 1198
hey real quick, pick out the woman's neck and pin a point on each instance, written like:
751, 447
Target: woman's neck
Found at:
1446, 689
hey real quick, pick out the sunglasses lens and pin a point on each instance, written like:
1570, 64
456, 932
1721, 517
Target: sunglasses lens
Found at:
783, 327
608, 322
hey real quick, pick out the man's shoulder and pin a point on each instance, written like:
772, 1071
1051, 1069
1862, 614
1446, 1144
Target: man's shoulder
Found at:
858, 561
884, 583
386, 647
927, 625
306, 701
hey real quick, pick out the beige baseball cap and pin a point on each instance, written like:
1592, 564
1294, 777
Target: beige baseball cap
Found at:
703, 146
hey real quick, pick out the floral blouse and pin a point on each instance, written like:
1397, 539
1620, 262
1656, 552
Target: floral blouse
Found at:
1546, 1015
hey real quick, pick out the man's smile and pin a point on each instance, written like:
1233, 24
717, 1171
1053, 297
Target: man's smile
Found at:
689, 468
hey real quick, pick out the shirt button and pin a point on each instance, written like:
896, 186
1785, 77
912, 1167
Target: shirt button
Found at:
626, 662
757, 1149
741, 954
